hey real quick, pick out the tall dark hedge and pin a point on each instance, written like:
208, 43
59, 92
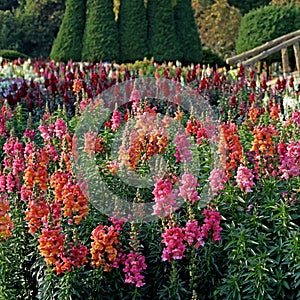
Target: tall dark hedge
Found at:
68, 43
162, 38
101, 38
132, 23
187, 33
265, 24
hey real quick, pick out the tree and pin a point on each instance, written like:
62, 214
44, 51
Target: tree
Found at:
40, 21
9, 37
68, 43
100, 39
132, 23
246, 6
265, 24
219, 26
187, 34
163, 44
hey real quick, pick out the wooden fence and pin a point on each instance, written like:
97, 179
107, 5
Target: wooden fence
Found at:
249, 58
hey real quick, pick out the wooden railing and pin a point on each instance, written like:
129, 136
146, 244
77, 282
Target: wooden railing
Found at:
249, 58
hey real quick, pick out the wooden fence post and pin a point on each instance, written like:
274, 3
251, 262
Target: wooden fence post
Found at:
285, 62
297, 56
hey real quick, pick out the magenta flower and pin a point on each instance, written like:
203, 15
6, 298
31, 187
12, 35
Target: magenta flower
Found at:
134, 265
164, 197
116, 120
211, 224
60, 128
193, 234
173, 240
289, 156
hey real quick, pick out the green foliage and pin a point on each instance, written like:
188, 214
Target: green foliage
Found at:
246, 6
163, 43
212, 59
11, 54
9, 38
187, 33
265, 24
132, 30
260, 246
17, 254
100, 39
68, 43
40, 21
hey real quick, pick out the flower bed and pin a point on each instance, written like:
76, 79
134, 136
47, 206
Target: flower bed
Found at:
202, 194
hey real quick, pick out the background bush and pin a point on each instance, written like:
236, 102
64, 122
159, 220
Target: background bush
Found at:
265, 24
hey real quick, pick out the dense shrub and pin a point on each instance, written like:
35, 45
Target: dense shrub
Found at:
265, 24
68, 43
187, 33
100, 39
11, 54
132, 30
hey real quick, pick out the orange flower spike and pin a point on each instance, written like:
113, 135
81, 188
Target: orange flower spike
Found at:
6, 224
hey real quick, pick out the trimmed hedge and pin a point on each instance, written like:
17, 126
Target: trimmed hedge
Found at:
132, 30
163, 43
68, 43
12, 54
101, 38
187, 33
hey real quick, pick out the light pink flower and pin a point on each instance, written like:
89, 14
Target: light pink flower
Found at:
217, 179
182, 148
188, 188
244, 179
